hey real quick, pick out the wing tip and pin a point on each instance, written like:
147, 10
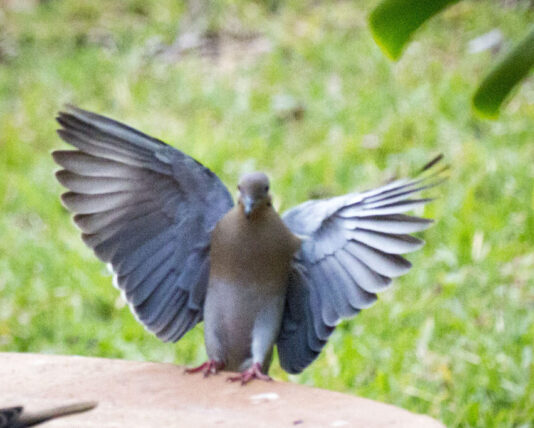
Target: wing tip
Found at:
62, 176
57, 155
77, 219
432, 162
438, 170
63, 118
65, 134
66, 198
69, 109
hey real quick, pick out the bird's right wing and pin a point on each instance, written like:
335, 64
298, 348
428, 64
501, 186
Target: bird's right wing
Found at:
147, 209
350, 250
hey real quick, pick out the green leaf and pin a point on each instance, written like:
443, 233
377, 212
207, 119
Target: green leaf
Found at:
394, 21
504, 76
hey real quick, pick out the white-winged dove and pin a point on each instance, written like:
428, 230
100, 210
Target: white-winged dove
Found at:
182, 253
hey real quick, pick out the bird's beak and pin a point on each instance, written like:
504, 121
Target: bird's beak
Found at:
248, 206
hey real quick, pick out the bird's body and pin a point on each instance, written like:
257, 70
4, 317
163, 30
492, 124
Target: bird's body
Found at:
181, 252
245, 299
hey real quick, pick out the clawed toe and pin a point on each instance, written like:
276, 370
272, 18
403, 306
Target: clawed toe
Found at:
208, 368
254, 372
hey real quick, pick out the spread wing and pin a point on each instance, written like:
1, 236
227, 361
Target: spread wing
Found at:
145, 208
350, 251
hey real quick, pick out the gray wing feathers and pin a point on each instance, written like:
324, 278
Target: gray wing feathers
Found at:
367, 279
90, 166
384, 209
393, 223
303, 333
148, 210
391, 265
93, 185
352, 248
392, 244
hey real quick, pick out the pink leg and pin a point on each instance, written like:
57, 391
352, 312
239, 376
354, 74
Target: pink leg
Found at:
208, 368
254, 372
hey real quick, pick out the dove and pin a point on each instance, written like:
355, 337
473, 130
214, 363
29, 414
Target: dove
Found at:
182, 252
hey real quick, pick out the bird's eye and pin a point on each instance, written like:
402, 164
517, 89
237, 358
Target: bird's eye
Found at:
266, 188
239, 188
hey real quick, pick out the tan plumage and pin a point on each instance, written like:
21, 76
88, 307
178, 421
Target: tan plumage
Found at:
250, 263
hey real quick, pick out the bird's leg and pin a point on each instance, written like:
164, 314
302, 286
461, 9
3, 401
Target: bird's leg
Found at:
208, 368
253, 372
264, 333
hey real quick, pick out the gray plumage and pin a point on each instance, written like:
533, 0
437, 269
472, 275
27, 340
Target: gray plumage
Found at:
350, 252
181, 252
148, 210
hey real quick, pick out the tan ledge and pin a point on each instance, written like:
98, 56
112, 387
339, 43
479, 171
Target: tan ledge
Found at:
137, 394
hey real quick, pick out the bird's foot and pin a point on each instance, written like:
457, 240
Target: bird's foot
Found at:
208, 368
254, 372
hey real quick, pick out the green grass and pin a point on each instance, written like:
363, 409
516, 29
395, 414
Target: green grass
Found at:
453, 338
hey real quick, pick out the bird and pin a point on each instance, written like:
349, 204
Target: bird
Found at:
182, 252
17, 417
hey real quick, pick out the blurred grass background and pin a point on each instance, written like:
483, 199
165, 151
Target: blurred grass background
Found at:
297, 89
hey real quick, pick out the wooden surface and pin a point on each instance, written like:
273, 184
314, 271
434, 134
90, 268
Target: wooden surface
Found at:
137, 394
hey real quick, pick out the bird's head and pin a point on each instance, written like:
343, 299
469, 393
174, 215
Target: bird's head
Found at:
253, 193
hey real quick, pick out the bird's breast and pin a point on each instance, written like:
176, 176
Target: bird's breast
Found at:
246, 252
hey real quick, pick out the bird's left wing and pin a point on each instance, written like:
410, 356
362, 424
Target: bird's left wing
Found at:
147, 209
350, 250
